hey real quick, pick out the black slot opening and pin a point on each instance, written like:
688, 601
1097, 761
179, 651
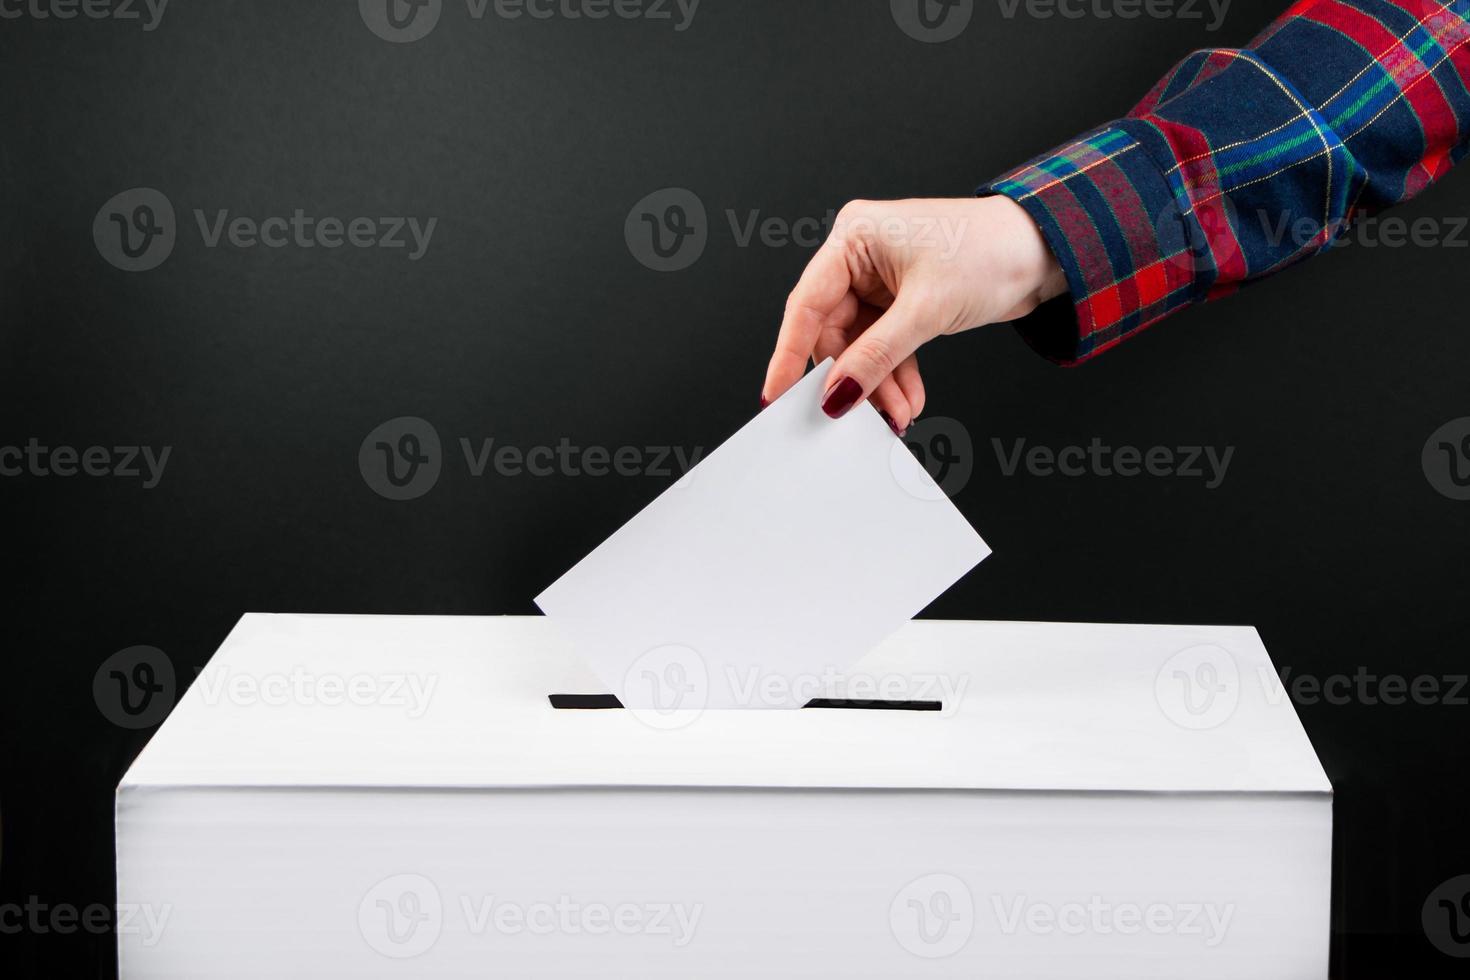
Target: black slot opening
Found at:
607, 702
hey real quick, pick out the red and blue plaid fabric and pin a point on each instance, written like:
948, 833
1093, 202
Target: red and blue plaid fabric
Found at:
1241, 162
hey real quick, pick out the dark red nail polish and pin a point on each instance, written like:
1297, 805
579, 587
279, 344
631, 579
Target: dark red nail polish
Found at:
891, 424
842, 397
765, 402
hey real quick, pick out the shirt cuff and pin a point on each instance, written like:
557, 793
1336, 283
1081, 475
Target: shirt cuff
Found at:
1108, 212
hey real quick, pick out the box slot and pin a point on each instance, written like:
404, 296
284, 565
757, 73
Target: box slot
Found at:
609, 702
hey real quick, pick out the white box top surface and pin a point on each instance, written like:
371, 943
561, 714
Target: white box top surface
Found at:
462, 702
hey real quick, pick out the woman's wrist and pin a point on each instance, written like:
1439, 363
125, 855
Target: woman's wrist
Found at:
1035, 274
1044, 272
1053, 278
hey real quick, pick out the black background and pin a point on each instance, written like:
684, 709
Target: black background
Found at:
528, 320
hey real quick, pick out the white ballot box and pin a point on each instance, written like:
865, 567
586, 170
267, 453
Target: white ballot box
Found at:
358, 796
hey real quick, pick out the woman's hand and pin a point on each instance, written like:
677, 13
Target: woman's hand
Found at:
895, 274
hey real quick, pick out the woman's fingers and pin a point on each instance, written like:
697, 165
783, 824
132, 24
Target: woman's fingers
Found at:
912, 385
833, 340
889, 398
892, 404
877, 353
820, 295
994, 264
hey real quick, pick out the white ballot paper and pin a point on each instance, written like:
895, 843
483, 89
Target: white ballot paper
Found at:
771, 568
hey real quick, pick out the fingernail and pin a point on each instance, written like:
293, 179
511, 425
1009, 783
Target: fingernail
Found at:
842, 397
765, 402
892, 424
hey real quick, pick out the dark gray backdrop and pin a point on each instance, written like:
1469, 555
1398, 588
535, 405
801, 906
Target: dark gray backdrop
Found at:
529, 319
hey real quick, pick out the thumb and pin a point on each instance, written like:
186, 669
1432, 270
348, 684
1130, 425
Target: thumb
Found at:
877, 353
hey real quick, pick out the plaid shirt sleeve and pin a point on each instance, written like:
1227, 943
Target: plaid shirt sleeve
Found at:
1241, 162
